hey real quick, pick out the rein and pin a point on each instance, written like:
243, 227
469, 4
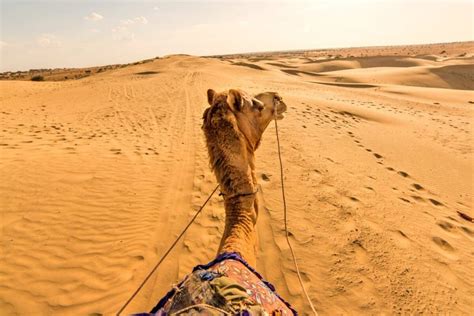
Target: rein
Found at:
285, 217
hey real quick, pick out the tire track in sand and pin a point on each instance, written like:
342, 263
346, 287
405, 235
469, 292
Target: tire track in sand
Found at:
176, 201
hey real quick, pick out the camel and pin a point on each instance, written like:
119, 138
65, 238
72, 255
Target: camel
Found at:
233, 126
228, 285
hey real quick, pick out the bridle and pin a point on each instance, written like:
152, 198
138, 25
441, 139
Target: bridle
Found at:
275, 108
233, 196
237, 195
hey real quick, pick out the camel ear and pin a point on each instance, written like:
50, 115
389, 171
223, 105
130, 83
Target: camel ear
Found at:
234, 99
258, 104
210, 96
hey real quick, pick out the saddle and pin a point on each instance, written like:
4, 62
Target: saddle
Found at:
228, 285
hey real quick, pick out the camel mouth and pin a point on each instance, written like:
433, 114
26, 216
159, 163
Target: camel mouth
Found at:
281, 108
280, 116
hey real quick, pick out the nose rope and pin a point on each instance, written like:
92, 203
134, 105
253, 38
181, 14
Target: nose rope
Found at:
285, 218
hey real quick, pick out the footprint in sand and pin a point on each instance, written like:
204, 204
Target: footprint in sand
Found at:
464, 215
403, 174
418, 198
401, 239
435, 202
417, 186
378, 156
405, 200
446, 226
443, 244
467, 231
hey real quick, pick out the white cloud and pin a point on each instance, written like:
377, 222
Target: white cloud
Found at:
48, 40
156, 8
3, 44
94, 16
141, 19
137, 20
119, 29
127, 22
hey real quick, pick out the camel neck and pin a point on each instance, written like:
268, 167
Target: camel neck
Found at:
251, 131
239, 231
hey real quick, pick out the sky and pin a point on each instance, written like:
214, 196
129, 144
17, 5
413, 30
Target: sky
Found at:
80, 33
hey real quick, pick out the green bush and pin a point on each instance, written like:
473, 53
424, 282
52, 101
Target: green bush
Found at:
37, 78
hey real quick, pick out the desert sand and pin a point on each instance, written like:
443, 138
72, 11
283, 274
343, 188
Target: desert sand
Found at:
99, 175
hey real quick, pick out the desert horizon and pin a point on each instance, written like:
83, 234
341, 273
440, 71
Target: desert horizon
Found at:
335, 52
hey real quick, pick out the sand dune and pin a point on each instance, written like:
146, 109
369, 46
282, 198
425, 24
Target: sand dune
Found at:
367, 62
450, 77
99, 175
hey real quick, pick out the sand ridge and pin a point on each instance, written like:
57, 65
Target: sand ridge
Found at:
99, 175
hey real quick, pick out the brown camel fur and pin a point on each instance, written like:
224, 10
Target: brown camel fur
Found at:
233, 125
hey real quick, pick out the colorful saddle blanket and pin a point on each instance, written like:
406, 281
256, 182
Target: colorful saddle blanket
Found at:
225, 286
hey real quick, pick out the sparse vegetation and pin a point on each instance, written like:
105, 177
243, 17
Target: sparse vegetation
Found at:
147, 73
37, 78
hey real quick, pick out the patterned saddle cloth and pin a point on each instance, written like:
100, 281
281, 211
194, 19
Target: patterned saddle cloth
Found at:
225, 286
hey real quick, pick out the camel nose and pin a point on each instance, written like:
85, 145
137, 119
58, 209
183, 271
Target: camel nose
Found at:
281, 108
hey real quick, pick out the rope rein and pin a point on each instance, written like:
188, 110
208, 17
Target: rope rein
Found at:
166, 253
200, 210
285, 218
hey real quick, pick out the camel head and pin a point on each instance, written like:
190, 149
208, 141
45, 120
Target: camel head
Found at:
252, 113
271, 101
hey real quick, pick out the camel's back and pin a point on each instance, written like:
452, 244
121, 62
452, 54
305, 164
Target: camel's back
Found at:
225, 286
